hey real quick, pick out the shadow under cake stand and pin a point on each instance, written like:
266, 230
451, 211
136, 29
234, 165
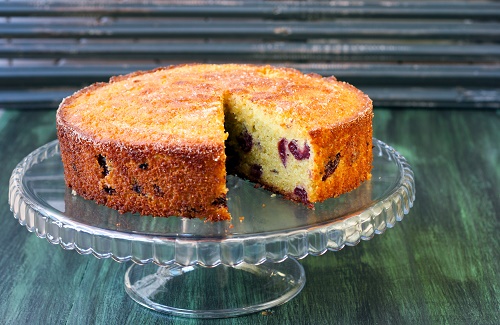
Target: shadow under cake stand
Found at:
192, 268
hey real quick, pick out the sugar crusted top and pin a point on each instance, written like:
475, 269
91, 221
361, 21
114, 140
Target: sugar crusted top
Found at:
185, 104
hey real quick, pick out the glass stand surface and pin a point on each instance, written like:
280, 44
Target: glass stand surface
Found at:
192, 268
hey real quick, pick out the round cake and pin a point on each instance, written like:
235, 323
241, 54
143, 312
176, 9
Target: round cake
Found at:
161, 142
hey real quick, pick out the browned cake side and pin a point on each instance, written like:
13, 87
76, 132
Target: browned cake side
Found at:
346, 162
150, 180
154, 142
138, 166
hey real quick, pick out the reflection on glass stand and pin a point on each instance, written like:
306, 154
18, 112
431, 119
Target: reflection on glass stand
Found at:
191, 268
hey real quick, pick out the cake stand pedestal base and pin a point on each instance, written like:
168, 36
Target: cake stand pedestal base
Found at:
218, 292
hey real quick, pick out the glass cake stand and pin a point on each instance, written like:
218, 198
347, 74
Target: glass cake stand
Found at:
192, 268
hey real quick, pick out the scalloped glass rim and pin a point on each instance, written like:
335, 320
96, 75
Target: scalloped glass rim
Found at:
377, 205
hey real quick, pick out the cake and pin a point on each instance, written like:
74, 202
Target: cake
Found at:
161, 142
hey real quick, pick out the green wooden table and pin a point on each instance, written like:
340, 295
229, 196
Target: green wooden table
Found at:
440, 265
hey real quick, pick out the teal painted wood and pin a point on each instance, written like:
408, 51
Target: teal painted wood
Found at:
439, 265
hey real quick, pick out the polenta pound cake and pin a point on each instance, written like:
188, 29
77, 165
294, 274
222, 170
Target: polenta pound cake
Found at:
161, 142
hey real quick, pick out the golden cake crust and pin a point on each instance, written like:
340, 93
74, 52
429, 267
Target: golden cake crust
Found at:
145, 178
153, 142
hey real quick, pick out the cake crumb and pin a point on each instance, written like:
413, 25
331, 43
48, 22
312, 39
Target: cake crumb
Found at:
231, 226
273, 195
242, 218
267, 312
263, 205
73, 192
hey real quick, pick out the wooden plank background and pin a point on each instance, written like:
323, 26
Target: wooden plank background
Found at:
438, 54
